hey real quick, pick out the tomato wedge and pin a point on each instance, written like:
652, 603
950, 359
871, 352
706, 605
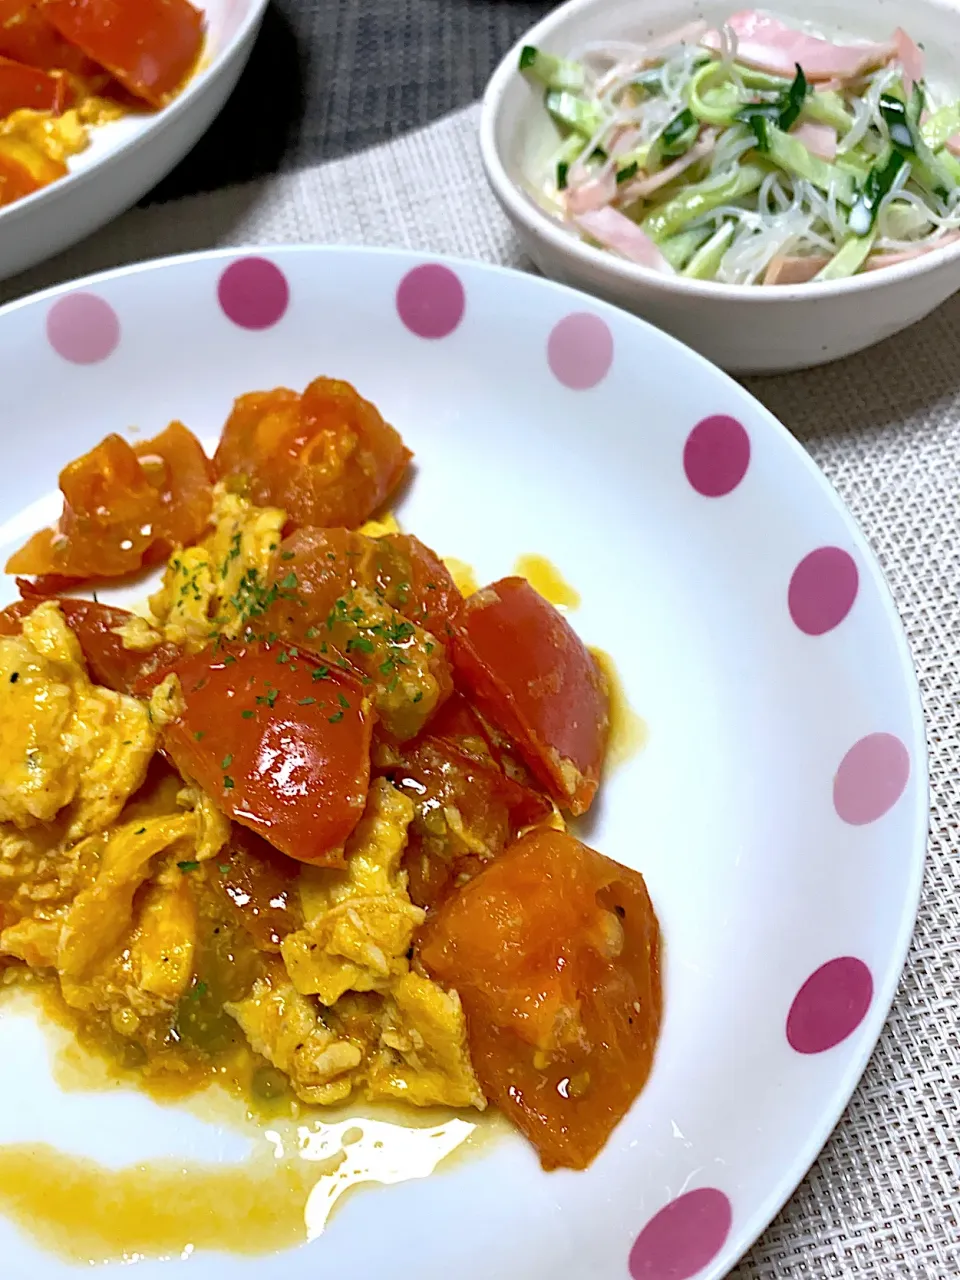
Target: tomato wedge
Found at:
329, 600
281, 752
28, 88
123, 508
26, 36
465, 806
326, 457
417, 583
151, 46
527, 670
94, 625
554, 951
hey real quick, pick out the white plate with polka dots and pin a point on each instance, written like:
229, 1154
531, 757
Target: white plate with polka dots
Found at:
777, 810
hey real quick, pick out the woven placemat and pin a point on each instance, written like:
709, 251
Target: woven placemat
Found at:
884, 1197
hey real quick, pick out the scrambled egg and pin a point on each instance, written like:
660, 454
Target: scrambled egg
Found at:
359, 921
213, 585
44, 142
357, 936
286, 1028
63, 740
95, 882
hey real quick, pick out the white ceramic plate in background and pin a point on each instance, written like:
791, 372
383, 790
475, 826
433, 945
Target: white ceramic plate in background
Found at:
743, 328
778, 810
129, 156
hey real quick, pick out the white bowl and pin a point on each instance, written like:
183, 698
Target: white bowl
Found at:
745, 329
129, 156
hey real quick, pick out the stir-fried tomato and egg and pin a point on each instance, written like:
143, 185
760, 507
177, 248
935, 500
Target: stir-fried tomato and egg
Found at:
310, 808
68, 65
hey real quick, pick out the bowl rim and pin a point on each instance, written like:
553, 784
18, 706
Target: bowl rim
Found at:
206, 74
540, 226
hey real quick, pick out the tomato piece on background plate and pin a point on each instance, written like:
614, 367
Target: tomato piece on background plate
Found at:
151, 46
28, 88
123, 508
280, 752
327, 457
528, 670
554, 951
94, 625
26, 36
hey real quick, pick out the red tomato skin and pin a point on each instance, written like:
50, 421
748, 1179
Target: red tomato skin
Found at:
529, 672
94, 625
26, 36
417, 583
151, 46
28, 88
554, 951
296, 769
450, 765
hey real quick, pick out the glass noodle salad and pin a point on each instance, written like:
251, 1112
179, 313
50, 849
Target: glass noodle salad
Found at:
756, 153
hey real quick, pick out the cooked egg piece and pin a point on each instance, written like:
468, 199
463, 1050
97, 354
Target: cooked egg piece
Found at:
63, 740
213, 586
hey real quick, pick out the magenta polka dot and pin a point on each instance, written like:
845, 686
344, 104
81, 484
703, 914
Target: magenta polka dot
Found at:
871, 779
716, 455
822, 590
830, 1005
580, 350
683, 1237
431, 301
83, 328
253, 293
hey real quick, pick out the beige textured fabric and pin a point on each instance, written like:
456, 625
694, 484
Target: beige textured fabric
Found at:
883, 1200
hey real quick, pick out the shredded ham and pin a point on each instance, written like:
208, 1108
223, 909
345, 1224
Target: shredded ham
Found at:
785, 269
910, 57
654, 181
615, 231
953, 144
819, 139
594, 193
879, 260
766, 43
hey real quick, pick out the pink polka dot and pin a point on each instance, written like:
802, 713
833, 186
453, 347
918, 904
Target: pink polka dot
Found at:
830, 1005
431, 301
253, 293
716, 455
83, 328
580, 350
871, 779
683, 1237
822, 590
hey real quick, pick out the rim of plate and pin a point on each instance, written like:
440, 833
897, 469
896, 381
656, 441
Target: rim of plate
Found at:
754, 1223
160, 119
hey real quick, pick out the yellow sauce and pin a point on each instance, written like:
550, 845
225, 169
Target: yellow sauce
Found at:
546, 578
303, 1162
280, 1197
628, 731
